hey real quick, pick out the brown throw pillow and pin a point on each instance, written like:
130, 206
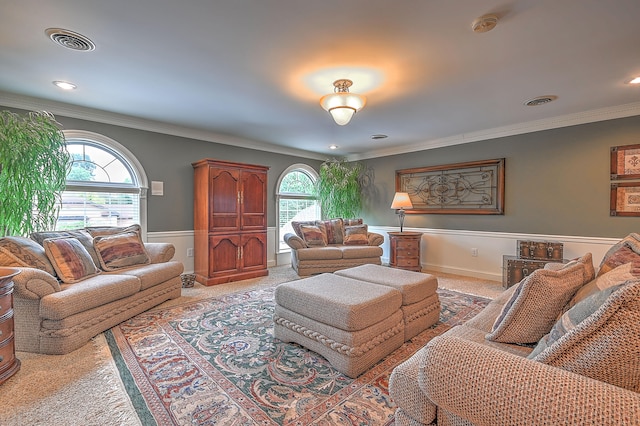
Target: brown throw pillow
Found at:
100, 231
356, 235
120, 251
70, 259
334, 230
313, 236
626, 250
25, 253
79, 234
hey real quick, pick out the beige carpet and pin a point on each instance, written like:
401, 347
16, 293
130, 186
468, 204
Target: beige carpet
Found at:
83, 387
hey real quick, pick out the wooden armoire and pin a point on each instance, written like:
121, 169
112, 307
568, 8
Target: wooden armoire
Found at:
230, 221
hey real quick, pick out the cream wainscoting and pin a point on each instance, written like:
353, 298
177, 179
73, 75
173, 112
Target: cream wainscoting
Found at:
442, 250
450, 251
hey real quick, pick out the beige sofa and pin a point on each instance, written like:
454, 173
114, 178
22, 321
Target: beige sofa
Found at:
121, 278
585, 368
330, 245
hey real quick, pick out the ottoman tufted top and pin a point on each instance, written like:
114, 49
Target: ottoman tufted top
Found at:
341, 302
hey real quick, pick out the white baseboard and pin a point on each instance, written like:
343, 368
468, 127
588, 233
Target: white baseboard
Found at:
442, 250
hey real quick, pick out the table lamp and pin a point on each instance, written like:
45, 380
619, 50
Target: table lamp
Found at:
400, 201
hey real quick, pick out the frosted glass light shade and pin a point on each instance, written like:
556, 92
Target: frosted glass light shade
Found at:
342, 105
401, 200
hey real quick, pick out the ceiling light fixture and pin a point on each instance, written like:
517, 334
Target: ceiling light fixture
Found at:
635, 80
333, 146
484, 23
64, 85
342, 104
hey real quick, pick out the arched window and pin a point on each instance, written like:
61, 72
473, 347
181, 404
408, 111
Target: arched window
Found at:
106, 185
295, 199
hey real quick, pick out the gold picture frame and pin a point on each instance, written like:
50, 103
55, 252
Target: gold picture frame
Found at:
475, 187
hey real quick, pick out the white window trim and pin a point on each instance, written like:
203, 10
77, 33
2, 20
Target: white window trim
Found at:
299, 166
137, 169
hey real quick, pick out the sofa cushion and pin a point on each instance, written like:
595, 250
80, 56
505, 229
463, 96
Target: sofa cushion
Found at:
320, 253
120, 250
626, 250
360, 252
356, 235
79, 234
70, 259
153, 274
88, 294
352, 222
599, 337
25, 253
314, 236
100, 231
334, 230
538, 301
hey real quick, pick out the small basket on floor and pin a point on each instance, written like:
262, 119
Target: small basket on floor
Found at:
188, 280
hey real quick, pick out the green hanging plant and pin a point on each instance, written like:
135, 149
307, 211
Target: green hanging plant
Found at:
33, 168
339, 189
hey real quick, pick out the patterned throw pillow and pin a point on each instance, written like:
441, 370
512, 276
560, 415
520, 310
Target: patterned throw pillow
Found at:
120, 251
295, 224
352, 222
80, 234
334, 229
356, 235
598, 337
537, 301
70, 259
100, 231
625, 251
25, 253
313, 236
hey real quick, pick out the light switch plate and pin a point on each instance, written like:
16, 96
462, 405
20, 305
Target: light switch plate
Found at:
157, 187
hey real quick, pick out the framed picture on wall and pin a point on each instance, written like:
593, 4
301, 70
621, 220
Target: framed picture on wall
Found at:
475, 187
625, 199
625, 162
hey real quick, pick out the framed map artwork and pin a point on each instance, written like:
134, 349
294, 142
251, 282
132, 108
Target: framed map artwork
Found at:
475, 187
625, 199
625, 162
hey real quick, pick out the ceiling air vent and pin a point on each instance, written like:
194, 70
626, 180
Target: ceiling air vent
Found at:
540, 100
70, 40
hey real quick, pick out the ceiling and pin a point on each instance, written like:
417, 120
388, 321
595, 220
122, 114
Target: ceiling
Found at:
251, 73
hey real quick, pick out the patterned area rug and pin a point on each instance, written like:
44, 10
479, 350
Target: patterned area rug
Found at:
215, 361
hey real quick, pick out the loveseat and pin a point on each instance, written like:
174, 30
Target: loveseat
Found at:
76, 284
321, 246
562, 347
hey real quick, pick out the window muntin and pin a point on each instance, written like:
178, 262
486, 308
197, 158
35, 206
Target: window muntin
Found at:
296, 200
103, 185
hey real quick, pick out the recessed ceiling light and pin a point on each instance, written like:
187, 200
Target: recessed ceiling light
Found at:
540, 100
634, 81
333, 147
64, 85
379, 136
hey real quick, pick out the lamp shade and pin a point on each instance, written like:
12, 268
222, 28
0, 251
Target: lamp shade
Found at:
342, 104
401, 201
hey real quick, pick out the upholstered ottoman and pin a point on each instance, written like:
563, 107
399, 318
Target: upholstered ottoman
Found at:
353, 324
420, 302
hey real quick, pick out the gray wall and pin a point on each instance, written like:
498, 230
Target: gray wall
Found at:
556, 182
168, 158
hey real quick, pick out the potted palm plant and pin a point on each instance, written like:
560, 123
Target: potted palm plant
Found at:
33, 168
339, 188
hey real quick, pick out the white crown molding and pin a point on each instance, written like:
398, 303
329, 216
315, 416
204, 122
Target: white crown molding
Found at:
592, 116
99, 116
90, 114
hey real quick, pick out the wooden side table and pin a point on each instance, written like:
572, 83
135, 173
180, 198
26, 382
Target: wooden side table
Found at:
9, 364
405, 250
